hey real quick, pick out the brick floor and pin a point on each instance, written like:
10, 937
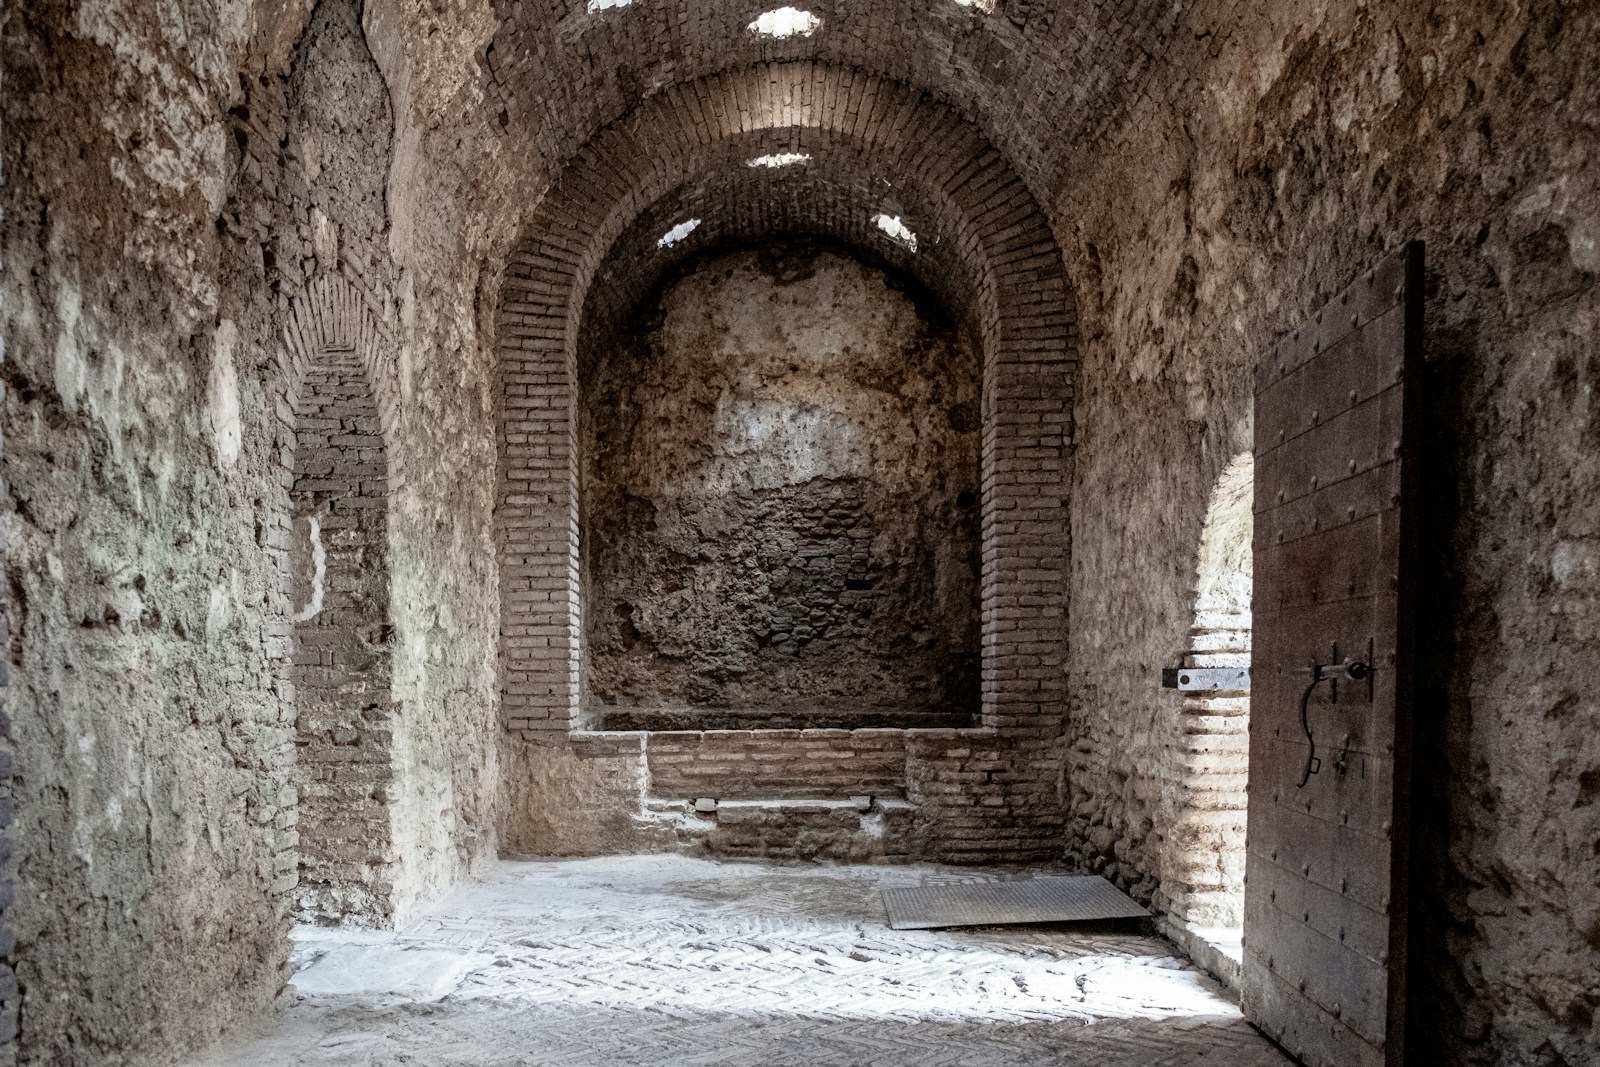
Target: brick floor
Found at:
666, 960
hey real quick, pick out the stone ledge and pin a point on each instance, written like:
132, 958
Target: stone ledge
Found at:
1217, 950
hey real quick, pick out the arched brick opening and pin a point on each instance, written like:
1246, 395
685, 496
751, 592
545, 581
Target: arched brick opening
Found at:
340, 474
984, 244
1203, 869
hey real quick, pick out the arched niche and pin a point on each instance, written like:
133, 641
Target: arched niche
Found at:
340, 472
986, 793
996, 250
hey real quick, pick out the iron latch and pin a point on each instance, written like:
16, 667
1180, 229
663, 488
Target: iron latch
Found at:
1206, 679
1355, 670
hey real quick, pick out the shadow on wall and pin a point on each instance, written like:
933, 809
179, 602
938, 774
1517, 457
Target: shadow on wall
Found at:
1443, 826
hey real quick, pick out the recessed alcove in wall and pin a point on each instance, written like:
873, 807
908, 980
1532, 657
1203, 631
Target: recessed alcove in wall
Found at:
593, 255
342, 468
779, 501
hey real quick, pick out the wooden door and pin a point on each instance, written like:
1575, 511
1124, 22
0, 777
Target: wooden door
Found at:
1326, 868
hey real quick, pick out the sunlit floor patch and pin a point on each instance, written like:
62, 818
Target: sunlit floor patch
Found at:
643, 959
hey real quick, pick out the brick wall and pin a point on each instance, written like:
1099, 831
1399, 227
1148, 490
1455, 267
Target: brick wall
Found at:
1202, 862
342, 637
777, 764
983, 796
338, 412
1043, 78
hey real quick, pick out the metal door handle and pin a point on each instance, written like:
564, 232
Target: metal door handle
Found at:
1355, 670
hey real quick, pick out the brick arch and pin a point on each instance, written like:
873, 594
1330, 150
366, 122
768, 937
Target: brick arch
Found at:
1004, 239
332, 315
341, 470
1004, 252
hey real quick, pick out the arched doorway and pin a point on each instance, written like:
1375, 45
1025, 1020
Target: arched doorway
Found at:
1203, 875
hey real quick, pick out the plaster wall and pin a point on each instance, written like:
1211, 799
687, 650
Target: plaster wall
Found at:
157, 821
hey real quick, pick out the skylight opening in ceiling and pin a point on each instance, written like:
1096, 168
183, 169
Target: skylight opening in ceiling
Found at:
677, 233
779, 159
986, 6
896, 230
606, 5
785, 22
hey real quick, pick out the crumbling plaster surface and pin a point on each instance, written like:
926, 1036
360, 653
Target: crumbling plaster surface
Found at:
1281, 157
780, 499
424, 270
581, 801
163, 204
153, 753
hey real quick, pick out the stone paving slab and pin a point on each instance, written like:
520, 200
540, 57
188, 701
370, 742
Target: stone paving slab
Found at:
667, 960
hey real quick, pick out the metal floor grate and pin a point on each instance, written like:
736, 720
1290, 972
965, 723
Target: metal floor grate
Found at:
1065, 898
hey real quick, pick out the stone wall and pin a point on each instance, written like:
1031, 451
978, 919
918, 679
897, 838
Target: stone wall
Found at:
183, 187
1281, 153
154, 754
780, 504
9, 989
185, 183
